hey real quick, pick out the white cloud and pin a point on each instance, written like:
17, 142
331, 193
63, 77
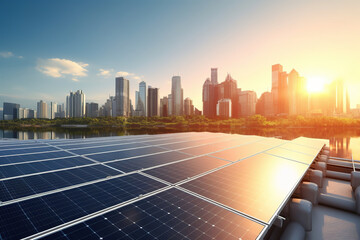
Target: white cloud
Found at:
56, 67
6, 54
75, 79
9, 55
104, 72
124, 74
129, 75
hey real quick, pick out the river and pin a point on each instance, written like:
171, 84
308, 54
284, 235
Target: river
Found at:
344, 143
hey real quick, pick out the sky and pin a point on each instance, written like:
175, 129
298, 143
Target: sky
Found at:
48, 48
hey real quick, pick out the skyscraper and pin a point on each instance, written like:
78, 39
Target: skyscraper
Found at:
279, 90
297, 97
122, 97
42, 109
153, 102
177, 96
164, 107
142, 96
188, 107
140, 100
264, 106
224, 108
92, 110
209, 99
10, 111
214, 76
53, 109
228, 90
247, 103
170, 105
76, 106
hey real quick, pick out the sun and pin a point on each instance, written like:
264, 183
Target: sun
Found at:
316, 84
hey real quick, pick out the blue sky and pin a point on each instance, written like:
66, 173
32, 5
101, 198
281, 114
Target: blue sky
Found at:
48, 48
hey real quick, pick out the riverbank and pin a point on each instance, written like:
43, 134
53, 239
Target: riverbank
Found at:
255, 121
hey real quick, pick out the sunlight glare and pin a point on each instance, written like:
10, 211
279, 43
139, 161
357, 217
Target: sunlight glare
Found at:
315, 84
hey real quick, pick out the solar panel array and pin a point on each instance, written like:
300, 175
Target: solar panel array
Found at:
183, 185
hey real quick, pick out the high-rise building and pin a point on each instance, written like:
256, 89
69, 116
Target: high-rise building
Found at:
122, 97
164, 107
10, 111
279, 90
214, 76
60, 113
1, 114
228, 90
209, 98
170, 105
53, 109
76, 106
153, 102
297, 98
32, 113
142, 97
42, 109
188, 107
177, 96
265, 106
247, 103
140, 100
92, 110
223, 108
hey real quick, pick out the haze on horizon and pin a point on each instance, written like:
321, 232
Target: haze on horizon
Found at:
48, 48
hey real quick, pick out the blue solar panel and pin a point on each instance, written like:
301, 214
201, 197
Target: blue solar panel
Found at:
105, 149
33, 157
125, 154
42, 166
25, 186
27, 150
176, 172
147, 161
18, 146
172, 214
28, 217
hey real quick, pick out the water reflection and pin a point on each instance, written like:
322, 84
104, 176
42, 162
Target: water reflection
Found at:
344, 143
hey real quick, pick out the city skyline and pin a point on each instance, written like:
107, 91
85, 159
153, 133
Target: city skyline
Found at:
243, 39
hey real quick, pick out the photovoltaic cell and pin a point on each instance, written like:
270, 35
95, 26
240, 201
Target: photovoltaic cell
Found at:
172, 214
106, 148
200, 150
33, 157
103, 157
176, 172
147, 161
42, 166
28, 217
296, 156
256, 186
26, 186
235, 154
301, 149
27, 150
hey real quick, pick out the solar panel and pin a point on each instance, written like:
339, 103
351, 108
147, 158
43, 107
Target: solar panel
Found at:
35, 184
33, 157
179, 171
237, 153
28, 217
172, 214
116, 155
26, 150
147, 161
256, 186
8, 171
182, 185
